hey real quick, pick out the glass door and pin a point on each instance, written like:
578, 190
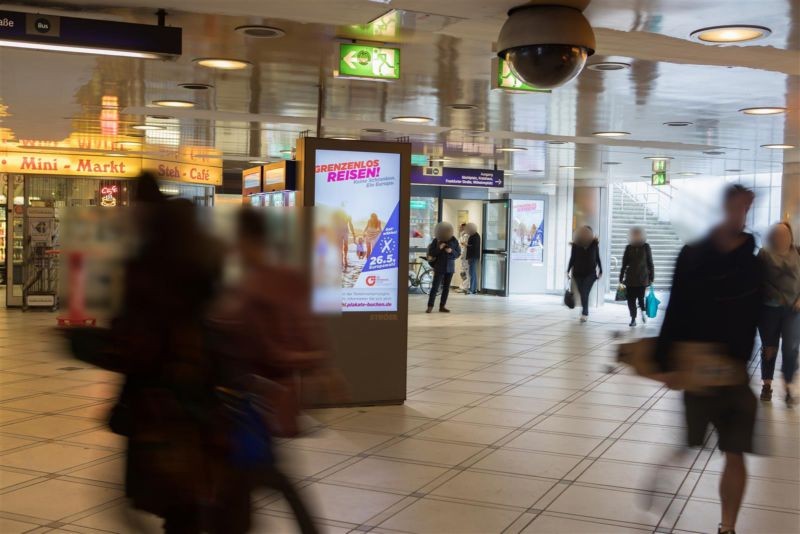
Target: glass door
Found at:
494, 257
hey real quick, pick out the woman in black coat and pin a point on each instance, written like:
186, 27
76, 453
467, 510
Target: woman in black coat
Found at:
584, 266
637, 272
442, 254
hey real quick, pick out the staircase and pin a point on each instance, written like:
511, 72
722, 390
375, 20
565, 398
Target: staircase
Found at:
628, 212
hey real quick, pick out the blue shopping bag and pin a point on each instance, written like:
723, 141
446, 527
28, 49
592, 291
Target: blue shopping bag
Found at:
651, 303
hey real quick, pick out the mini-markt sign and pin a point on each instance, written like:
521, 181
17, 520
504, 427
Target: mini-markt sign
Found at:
506, 79
364, 61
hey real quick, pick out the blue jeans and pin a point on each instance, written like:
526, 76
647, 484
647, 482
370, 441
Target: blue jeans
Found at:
440, 280
585, 284
473, 275
780, 324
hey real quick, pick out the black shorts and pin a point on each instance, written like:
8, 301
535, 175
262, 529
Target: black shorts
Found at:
732, 411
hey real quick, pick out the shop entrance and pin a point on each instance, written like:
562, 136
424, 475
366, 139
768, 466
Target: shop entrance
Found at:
494, 257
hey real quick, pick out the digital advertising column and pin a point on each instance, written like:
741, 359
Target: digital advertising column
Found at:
364, 187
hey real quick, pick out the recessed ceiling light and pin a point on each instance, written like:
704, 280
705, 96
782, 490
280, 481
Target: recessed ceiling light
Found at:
147, 127
374, 130
556, 142
608, 65
161, 117
412, 119
548, 183
776, 146
611, 134
463, 107
174, 103
730, 34
659, 158
222, 63
678, 123
570, 167
259, 31
192, 86
511, 149
713, 152
536, 170
688, 173
764, 110
733, 170
612, 163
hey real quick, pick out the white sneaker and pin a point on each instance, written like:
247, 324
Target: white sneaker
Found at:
644, 317
584, 318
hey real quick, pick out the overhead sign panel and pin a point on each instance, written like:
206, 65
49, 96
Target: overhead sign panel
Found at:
506, 79
366, 61
659, 178
456, 177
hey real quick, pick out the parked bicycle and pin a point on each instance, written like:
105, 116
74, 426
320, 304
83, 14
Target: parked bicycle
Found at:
420, 275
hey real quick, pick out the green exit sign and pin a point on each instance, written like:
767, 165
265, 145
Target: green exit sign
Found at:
659, 178
420, 160
506, 79
365, 61
659, 165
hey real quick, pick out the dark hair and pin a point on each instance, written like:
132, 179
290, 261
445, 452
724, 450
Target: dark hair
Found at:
732, 191
250, 224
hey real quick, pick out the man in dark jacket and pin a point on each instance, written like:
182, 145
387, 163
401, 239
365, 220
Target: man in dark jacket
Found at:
443, 252
473, 256
637, 272
715, 300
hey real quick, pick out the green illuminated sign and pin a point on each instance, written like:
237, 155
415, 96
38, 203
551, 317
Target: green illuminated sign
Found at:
659, 178
364, 61
659, 165
419, 160
419, 205
506, 79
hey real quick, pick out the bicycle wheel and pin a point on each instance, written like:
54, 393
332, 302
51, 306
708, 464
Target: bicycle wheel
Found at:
426, 281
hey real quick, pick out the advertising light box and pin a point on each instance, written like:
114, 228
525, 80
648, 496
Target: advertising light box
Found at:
363, 189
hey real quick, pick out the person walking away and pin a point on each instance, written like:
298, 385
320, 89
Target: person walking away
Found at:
584, 266
637, 272
442, 254
473, 255
780, 316
716, 299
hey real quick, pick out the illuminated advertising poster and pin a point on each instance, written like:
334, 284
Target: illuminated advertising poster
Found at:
527, 238
363, 190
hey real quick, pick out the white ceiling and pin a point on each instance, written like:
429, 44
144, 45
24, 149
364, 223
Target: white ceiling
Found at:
446, 59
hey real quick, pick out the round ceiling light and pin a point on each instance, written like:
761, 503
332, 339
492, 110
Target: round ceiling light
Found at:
730, 34
688, 173
659, 158
608, 65
610, 134
147, 127
463, 107
374, 130
511, 149
192, 86
612, 163
733, 170
222, 63
161, 117
678, 123
765, 110
173, 103
778, 146
713, 152
556, 142
570, 167
412, 119
259, 31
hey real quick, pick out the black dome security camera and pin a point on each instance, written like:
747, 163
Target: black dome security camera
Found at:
546, 45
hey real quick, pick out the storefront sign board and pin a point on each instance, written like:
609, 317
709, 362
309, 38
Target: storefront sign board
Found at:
447, 176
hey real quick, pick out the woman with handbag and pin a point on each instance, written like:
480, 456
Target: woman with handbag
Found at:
584, 266
780, 316
637, 272
442, 254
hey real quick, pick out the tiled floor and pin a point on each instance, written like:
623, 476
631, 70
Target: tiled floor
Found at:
516, 421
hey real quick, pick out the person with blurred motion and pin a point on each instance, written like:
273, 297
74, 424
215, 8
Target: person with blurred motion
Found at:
463, 237
473, 256
442, 254
780, 316
584, 265
270, 338
715, 303
637, 272
158, 341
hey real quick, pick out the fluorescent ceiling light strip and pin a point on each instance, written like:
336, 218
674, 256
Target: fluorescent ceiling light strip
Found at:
78, 49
